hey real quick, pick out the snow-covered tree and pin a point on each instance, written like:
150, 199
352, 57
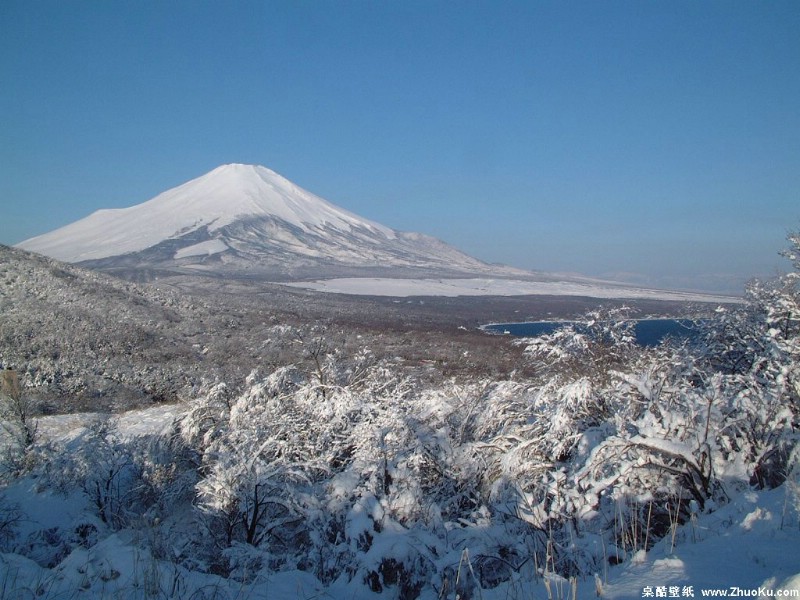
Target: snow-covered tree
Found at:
16, 418
102, 466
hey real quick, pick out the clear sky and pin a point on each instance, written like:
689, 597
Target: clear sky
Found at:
657, 141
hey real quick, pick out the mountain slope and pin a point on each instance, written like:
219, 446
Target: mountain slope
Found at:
245, 219
83, 340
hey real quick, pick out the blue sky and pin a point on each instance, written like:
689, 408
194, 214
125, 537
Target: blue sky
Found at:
654, 141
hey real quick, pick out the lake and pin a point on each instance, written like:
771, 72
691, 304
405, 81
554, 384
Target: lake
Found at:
649, 332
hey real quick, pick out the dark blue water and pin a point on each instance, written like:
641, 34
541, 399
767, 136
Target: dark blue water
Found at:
649, 332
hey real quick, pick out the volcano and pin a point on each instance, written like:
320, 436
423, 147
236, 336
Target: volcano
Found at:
247, 220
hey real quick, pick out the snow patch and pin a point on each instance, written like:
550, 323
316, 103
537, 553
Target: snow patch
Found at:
206, 248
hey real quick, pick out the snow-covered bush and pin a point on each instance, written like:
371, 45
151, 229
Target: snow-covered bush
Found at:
618, 438
365, 482
758, 349
10, 516
590, 348
17, 422
103, 467
265, 456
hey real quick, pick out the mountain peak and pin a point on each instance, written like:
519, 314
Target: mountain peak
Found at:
227, 194
248, 220
242, 171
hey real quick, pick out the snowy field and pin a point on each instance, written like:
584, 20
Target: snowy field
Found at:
378, 286
750, 546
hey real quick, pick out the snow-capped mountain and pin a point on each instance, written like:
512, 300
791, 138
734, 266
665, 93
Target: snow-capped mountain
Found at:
246, 219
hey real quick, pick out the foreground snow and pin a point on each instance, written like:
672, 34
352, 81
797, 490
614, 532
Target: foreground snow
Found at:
742, 549
750, 544
381, 286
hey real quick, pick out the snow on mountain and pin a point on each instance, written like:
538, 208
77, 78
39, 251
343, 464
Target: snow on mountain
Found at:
214, 200
243, 218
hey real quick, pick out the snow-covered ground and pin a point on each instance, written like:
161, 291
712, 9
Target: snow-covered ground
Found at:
381, 286
146, 421
751, 543
750, 547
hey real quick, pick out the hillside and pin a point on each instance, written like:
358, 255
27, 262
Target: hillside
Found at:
83, 340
